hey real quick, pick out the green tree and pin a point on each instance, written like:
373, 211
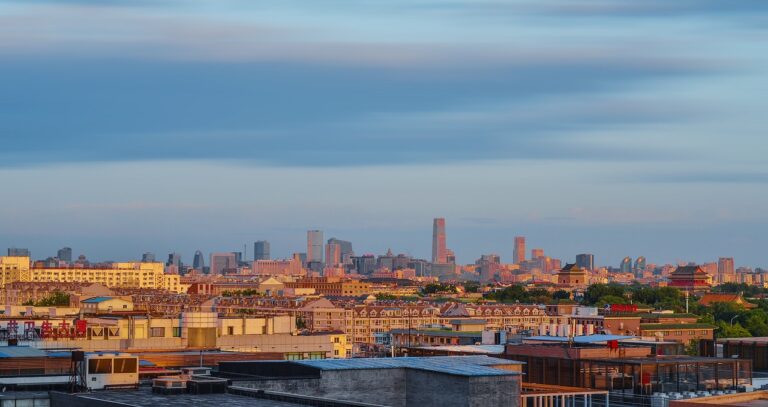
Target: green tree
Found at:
610, 299
595, 292
561, 295
56, 299
725, 330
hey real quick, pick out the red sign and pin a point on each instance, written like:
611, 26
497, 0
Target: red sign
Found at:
622, 308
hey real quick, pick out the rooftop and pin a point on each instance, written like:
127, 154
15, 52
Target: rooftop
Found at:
454, 365
96, 300
144, 397
580, 339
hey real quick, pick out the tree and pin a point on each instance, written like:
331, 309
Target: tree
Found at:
692, 348
725, 330
471, 287
56, 299
595, 292
610, 299
561, 295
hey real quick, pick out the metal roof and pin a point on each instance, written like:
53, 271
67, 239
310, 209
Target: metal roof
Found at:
21, 352
495, 349
96, 300
454, 365
580, 339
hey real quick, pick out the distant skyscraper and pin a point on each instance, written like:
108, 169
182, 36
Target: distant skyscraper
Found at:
626, 265
537, 253
261, 250
238, 257
315, 246
198, 263
148, 257
174, 259
640, 264
65, 254
365, 264
346, 249
332, 254
585, 261
18, 252
519, 252
439, 249
725, 270
222, 261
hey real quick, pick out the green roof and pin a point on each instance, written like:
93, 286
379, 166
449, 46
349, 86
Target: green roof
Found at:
676, 326
649, 315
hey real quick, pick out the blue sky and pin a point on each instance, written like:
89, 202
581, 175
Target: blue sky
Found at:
613, 127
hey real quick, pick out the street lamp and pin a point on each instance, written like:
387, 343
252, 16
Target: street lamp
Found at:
734, 317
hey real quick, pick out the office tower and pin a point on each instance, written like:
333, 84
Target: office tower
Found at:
488, 265
537, 253
585, 261
626, 265
198, 263
346, 249
148, 257
332, 254
364, 265
174, 259
65, 254
261, 250
238, 257
519, 252
18, 252
639, 265
221, 262
439, 250
314, 246
725, 270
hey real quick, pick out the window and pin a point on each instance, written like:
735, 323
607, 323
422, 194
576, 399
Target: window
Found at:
158, 332
100, 366
230, 330
126, 365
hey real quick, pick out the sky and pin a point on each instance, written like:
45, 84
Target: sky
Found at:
614, 127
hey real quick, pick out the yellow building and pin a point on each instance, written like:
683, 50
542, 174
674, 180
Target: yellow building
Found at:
124, 275
342, 347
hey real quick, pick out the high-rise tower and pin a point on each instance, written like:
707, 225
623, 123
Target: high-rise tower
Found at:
261, 250
315, 246
519, 252
725, 270
439, 251
198, 262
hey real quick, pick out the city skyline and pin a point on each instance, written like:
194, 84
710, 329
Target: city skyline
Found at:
439, 238
611, 127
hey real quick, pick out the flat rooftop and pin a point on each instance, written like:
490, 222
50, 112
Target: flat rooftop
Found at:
480, 365
144, 397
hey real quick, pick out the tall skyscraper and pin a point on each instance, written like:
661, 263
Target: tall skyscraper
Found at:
726, 271
585, 261
198, 263
148, 257
332, 254
626, 265
315, 246
640, 265
65, 254
174, 259
18, 252
222, 261
537, 254
261, 250
519, 252
439, 250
